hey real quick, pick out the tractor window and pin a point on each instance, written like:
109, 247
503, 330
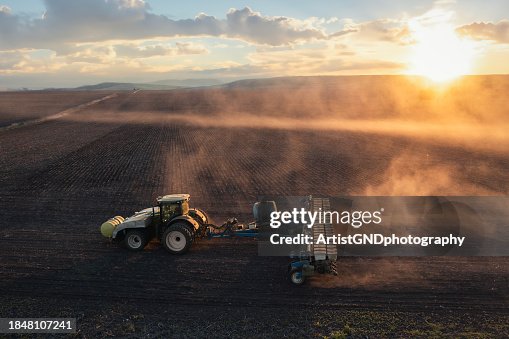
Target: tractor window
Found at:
169, 211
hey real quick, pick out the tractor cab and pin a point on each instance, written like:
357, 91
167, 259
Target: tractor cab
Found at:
173, 205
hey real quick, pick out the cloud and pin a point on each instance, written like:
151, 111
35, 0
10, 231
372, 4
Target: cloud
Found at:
270, 30
18, 62
10, 60
180, 48
5, 9
343, 32
81, 21
89, 54
389, 30
332, 59
498, 32
112, 52
399, 30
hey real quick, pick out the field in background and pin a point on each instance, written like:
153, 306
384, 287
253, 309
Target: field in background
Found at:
62, 178
20, 107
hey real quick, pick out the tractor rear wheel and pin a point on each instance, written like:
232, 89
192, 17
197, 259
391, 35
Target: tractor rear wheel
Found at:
177, 238
135, 240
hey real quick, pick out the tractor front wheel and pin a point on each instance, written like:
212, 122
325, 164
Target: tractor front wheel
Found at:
135, 240
177, 238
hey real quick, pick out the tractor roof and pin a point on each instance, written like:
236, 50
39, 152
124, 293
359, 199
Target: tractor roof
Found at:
173, 198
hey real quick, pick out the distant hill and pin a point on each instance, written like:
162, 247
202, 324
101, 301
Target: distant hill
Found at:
268, 82
303, 82
123, 86
160, 85
189, 82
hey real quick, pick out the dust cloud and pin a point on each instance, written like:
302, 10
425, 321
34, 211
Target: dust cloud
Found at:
411, 274
469, 112
411, 174
363, 135
488, 137
374, 274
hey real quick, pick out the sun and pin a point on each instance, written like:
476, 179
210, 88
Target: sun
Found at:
439, 53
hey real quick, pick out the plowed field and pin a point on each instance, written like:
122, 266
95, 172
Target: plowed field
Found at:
61, 179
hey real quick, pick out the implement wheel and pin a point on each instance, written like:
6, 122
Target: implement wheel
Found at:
296, 276
177, 238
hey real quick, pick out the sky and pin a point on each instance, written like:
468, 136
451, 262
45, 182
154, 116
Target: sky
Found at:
63, 43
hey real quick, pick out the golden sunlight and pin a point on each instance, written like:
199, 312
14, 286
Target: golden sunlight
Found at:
439, 53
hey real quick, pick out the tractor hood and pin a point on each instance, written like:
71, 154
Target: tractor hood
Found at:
140, 219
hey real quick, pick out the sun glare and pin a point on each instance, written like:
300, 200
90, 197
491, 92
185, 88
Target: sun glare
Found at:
439, 53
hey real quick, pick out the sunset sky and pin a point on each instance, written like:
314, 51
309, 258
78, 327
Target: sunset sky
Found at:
75, 42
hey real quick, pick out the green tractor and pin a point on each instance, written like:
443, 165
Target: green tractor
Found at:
171, 221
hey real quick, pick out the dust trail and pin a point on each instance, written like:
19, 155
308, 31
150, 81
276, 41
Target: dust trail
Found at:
373, 274
360, 135
421, 174
417, 274
58, 115
470, 112
492, 137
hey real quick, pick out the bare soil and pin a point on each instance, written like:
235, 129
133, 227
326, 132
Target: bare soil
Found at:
18, 107
61, 179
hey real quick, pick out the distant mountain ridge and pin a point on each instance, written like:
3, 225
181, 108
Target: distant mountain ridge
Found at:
160, 85
189, 82
294, 82
123, 86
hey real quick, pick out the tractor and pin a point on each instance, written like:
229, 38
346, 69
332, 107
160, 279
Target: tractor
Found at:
173, 222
